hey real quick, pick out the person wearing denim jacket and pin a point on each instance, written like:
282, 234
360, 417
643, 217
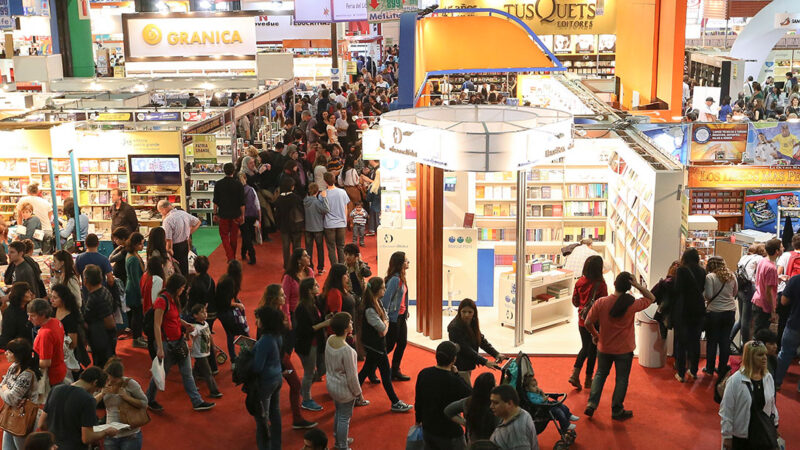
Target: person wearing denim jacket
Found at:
395, 302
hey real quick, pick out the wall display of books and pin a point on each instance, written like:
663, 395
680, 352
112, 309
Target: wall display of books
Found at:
717, 203
96, 178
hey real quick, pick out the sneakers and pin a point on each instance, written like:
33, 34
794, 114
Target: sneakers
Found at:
361, 402
571, 427
691, 376
140, 342
205, 406
216, 395
320, 271
679, 378
304, 424
574, 418
401, 407
155, 406
622, 415
311, 405
708, 371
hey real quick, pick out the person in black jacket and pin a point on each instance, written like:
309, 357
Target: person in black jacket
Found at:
226, 298
290, 217
371, 334
15, 317
687, 315
465, 331
117, 257
309, 337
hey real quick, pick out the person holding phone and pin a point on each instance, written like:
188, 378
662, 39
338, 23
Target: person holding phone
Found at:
615, 341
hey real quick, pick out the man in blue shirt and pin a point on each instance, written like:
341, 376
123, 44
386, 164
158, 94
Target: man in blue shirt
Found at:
91, 256
791, 334
335, 222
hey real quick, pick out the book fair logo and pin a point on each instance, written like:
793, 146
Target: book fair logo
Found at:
151, 34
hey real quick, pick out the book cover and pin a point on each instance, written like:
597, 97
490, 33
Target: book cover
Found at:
84, 197
43, 166
34, 166
480, 192
105, 166
469, 219
123, 181
504, 210
495, 210
113, 182
83, 181
103, 182
94, 165
83, 165
92, 181
104, 198
62, 166
121, 165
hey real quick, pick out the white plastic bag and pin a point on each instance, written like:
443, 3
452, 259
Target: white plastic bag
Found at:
157, 369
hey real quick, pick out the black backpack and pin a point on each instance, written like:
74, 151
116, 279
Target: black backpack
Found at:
148, 323
741, 279
244, 375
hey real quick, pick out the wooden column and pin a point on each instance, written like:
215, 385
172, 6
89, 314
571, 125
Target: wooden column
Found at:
430, 204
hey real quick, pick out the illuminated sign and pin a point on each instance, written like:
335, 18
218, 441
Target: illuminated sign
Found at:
158, 37
720, 177
330, 10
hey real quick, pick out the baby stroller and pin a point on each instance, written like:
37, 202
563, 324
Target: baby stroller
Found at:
514, 373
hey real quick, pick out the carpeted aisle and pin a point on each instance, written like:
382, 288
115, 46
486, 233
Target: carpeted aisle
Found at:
668, 415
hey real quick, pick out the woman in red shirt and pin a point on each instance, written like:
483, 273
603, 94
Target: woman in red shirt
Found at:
589, 287
170, 345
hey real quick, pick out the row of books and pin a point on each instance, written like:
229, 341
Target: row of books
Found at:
200, 203
496, 192
543, 192
207, 168
510, 234
98, 212
14, 185
590, 190
585, 209
494, 177
557, 291
556, 175
62, 165
102, 182
39, 166
203, 185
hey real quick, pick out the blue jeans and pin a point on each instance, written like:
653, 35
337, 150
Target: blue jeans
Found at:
11, 442
341, 423
232, 329
718, 331
132, 442
687, 346
185, 366
745, 315
269, 437
622, 367
789, 344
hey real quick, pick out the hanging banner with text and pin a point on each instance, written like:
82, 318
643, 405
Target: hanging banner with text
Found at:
205, 148
330, 11
389, 10
743, 177
6, 22
718, 142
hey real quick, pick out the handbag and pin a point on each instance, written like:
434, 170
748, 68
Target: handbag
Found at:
19, 420
761, 431
592, 297
131, 415
240, 318
178, 350
415, 439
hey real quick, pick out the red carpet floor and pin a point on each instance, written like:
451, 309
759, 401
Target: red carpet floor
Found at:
668, 415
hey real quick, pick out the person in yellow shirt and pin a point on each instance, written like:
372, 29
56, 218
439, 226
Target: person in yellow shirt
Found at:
786, 145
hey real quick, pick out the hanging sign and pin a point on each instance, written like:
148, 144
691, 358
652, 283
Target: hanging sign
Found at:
6, 22
111, 117
718, 141
787, 21
738, 177
205, 148
274, 29
330, 10
388, 10
158, 116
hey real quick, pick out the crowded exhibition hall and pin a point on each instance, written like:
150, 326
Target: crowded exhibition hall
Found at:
399, 224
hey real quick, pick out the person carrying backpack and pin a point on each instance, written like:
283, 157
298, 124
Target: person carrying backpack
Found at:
745, 279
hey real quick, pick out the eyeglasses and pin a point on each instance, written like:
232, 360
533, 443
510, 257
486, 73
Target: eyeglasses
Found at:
755, 343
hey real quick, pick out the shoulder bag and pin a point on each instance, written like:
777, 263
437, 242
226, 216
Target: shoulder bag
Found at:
19, 420
592, 297
761, 431
131, 415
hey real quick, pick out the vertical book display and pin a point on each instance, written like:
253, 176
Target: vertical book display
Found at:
14, 180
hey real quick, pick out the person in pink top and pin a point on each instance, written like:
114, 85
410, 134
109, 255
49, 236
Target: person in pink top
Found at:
299, 269
615, 341
766, 296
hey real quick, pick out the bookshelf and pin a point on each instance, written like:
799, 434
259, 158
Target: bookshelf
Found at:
204, 175
39, 173
13, 184
96, 178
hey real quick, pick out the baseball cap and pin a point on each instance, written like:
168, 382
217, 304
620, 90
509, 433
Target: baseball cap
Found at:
709, 99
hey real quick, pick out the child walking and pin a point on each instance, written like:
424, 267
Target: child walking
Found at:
359, 216
201, 349
538, 397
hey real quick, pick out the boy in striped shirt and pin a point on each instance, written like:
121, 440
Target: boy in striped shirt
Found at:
359, 216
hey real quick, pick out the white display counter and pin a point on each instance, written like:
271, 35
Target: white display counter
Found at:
537, 313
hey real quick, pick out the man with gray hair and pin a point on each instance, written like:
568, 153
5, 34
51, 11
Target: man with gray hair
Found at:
42, 210
579, 256
179, 226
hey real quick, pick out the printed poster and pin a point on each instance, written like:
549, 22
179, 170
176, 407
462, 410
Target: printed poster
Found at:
672, 139
773, 144
761, 209
718, 142
205, 148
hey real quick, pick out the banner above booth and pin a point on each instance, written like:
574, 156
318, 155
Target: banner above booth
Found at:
194, 36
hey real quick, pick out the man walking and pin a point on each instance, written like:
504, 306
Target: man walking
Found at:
615, 341
179, 226
229, 209
335, 221
765, 298
437, 387
122, 214
516, 431
23, 269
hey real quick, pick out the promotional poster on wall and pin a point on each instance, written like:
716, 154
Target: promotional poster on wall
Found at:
761, 208
671, 139
718, 142
773, 144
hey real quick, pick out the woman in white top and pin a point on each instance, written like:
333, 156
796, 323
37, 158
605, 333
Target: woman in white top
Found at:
720, 294
333, 136
341, 377
750, 389
320, 167
746, 267
121, 392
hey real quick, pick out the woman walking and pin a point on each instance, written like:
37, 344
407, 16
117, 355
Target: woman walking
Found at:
478, 419
749, 393
310, 335
69, 314
342, 377
252, 212
395, 302
134, 268
720, 294
170, 344
688, 314
226, 300
589, 287
465, 331
63, 271
19, 384
267, 364
375, 324
120, 394
336, 291
274, 297
299, 269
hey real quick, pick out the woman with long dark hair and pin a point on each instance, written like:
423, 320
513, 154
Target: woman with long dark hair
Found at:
336, 291
121, 390
615, 341
589, 287
157, 246
19, 383
134, 268
170, 344
15, 317
465, 330
310, 338
299, 269
63, 272
395, 302
375, 324
687, 315
226, 299
720, 294
68, 313
267, 364
478, 419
